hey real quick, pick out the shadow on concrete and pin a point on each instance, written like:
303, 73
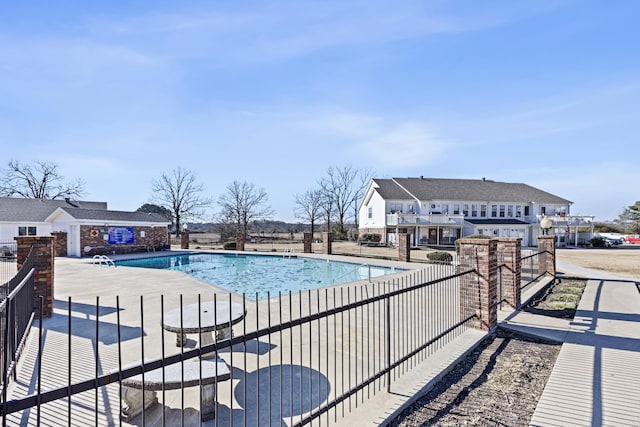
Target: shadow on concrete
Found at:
86, 328
80, 307
271, 395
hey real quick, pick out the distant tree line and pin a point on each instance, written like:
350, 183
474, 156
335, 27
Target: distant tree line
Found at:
179, 197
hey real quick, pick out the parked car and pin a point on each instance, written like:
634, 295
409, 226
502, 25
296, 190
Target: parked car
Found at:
614, 241
632, 239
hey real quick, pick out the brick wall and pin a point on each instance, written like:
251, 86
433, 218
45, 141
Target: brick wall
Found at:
510, 258
308, 242
381, 231
44, 267
59, 243
404, 247
547, 261
327, 239
479, 291
240, 240
155, 238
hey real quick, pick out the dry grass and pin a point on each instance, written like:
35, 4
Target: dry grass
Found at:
623, 260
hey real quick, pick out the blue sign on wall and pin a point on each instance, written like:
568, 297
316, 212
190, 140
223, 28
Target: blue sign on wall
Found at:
121, 235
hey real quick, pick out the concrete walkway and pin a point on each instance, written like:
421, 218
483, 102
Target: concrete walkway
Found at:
596, 378
92, 341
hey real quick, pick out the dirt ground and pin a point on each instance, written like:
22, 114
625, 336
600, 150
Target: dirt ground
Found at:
623, 260
499, 384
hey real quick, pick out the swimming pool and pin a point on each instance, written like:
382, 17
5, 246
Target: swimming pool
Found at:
251, 274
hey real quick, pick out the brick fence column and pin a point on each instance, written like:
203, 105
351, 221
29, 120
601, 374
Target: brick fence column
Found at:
60, 243
184, 240
547, 260
327, 239
44, 264
479, 291
240, 239
510, 258
404, 247
308, 240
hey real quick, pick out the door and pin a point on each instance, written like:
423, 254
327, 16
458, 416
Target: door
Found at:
73, 241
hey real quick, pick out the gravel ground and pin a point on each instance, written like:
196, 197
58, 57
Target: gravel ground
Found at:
499, 384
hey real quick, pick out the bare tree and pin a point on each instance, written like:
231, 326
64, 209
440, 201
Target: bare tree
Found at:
40, 180
342, 188
242, 203
309, 207
181, 194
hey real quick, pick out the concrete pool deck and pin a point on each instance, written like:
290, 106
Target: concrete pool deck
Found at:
162, 290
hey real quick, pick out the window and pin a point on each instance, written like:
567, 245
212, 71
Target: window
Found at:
370, 212
543, 210
395, 207
483, 211
518, 211
465, 210
456, 209
501, 211
474, 210
26, 231
510, 211
526, 211
494, 211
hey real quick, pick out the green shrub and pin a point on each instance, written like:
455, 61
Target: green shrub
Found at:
229, 246
440, 257
371, 237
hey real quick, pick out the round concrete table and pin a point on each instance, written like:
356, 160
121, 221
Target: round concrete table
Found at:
218, 316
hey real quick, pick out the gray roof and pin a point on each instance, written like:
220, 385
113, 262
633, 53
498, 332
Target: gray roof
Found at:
13, 209
389, 190
89, 214
464, 190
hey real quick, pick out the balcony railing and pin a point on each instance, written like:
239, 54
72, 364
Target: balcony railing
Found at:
424, 219
567, 220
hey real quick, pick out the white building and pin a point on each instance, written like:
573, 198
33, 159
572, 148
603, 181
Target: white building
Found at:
89, 226
438, 211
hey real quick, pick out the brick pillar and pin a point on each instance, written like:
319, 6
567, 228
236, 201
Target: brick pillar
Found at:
547, 260
184, 240
44, 264
479, 290
308, 240
327, 239
240, 238
59, 243
510, 260
404, 247
169, 239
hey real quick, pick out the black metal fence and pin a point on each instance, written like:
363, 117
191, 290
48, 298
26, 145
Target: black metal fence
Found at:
529, 268
8, 268
295, 358
16, 316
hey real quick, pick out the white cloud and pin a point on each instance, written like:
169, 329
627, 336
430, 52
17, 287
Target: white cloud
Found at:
404, 145
379, 141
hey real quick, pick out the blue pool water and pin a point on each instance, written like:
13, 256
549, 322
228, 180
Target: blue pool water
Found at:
251, 274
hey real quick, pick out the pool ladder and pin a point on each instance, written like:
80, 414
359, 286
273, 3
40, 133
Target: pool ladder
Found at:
103, 260
288, 253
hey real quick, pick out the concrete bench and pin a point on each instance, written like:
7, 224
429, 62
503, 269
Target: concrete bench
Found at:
135, 399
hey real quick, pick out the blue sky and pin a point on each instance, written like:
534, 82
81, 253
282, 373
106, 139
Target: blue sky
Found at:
116, 93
